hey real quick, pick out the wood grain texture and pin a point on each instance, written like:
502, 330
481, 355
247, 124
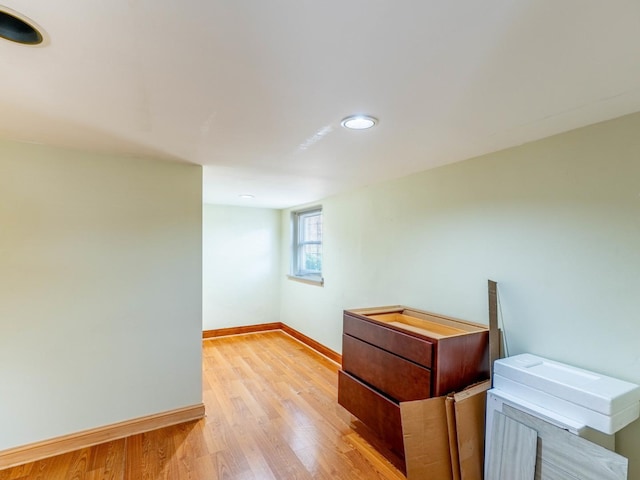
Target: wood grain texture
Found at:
456, 361
421, 326
310, 342
560, 451
494, 331
104, 462
513, 450
87, 438
266, 327
271, 414
385, 364
401, 379
223, 332
379, 413
460, 361
417, 350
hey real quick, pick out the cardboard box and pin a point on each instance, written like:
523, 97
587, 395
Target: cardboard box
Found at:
444, 436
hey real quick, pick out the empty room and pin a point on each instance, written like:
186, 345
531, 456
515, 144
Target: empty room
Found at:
267, 240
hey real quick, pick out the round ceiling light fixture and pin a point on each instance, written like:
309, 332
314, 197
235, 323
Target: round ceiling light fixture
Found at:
17, 29
359, 122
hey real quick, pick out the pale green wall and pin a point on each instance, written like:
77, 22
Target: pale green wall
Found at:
241, 282
555, 222
100, 290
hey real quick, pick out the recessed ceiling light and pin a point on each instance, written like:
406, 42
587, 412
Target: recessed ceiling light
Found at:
247, 195
16, 28
358, 122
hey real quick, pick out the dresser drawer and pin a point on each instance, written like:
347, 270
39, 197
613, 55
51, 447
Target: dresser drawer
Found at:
415, 349
400, 379
376, 411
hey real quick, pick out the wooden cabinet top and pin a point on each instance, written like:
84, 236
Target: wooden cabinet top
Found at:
430, 326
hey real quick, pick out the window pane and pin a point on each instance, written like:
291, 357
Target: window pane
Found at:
311, 258
306, 259
311, 230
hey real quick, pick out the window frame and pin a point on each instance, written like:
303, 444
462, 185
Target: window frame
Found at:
297, 244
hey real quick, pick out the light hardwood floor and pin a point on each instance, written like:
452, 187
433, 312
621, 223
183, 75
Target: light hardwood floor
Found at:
272, 413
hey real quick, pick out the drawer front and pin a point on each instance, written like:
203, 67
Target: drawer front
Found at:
377, 412
398, 378
415, 349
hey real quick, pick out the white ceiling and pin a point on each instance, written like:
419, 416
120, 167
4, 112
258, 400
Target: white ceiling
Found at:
244, 87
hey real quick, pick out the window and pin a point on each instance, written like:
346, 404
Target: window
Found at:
306, 254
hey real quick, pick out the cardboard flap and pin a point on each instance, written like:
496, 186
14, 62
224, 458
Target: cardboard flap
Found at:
426, 439
470, 406
453, 436
444, 436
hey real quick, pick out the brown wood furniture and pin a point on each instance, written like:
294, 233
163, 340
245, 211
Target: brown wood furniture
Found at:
397, 354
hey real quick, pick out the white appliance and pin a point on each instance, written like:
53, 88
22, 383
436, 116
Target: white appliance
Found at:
585, 403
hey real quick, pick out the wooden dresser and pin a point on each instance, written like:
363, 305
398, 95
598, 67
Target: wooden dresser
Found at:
397, 354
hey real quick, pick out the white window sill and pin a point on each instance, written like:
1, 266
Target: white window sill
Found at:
311, 280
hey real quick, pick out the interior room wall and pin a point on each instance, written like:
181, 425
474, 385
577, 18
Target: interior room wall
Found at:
555, 222
241, 267
100, 290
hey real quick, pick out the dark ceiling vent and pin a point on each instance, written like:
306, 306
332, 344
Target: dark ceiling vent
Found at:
17, 30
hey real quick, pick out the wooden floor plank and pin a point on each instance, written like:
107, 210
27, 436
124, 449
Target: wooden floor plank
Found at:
107, 460
271, 414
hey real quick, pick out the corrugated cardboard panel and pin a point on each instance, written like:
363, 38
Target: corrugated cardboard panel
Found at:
453, 437
426, 439
444, 436
470, 406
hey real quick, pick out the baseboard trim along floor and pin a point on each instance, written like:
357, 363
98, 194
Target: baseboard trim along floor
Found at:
265, 327
86, 438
